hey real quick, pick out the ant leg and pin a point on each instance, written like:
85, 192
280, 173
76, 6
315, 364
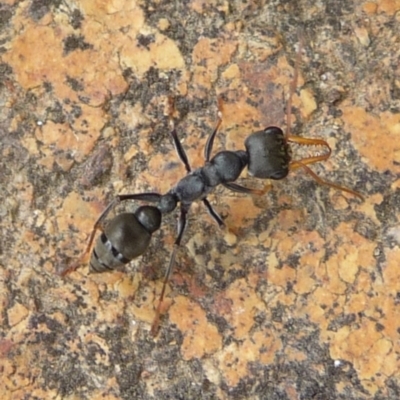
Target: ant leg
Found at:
213, 213
177, 144
98, 225
207, 154
235, 188
300, 164
151, 197
210, 141
242, 189
292, 89
182, 222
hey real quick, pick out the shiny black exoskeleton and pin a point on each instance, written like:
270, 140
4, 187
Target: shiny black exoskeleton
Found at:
267, 155
128, 235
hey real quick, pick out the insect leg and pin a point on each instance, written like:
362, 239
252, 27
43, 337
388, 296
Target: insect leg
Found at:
182, 223
242, 189
293, 86
177, 144
210, 141
213, 213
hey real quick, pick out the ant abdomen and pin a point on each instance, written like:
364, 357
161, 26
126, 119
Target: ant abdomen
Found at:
125, 237
269, 154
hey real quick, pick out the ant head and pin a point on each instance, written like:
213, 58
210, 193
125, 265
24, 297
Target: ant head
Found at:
269, 154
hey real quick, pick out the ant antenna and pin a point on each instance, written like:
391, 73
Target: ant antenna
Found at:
292, 88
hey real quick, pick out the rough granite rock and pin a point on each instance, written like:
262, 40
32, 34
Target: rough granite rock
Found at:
298, 299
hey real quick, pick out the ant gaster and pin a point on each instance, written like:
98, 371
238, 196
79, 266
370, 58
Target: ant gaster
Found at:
127, 236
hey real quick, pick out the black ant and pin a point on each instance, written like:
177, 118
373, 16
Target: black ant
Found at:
127, 236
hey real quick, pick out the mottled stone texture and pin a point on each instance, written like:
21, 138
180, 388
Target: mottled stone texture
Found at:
298, 299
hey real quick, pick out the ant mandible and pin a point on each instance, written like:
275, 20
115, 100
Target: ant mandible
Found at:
127, 235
